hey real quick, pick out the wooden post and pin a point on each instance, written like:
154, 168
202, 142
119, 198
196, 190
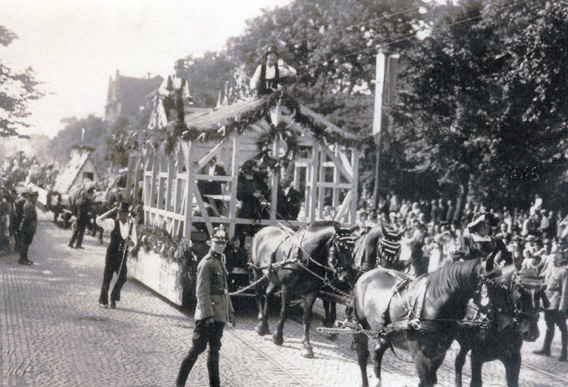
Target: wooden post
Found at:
378, 117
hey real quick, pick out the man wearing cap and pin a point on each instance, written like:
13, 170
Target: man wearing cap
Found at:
175, 91
28, 226
213, 310
270, 75
122, 232
556, 282
480, 243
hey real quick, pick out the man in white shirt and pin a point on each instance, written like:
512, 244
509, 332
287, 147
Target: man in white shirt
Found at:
270, 75
175, 91
122, 233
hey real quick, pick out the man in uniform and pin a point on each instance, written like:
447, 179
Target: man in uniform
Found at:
556, 281
270, 75
213, 311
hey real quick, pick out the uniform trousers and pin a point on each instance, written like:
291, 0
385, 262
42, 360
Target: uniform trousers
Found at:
552, 318
25, 240
202, 335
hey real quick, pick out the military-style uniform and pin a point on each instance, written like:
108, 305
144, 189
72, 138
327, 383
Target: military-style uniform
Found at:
213, 311
556, 281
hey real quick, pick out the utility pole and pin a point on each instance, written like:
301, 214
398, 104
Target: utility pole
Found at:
385, 80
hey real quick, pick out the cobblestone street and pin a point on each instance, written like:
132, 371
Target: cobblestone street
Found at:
53, 333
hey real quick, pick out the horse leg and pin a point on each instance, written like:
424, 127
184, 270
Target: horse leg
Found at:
262, 303
308, 305
330, 316
423, 366
379, 352
476, 364
278, 336
460, 361
512, 365
363, 356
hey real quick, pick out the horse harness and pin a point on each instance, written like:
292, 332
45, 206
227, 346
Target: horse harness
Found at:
294, 259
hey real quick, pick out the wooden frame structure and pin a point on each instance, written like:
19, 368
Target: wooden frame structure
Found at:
326, 173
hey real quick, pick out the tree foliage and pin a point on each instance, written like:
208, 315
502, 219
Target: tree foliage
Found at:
16, 90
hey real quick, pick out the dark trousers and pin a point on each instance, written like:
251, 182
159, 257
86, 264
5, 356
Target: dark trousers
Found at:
558, 318
78, 234
112, 266
202, 335
24, 240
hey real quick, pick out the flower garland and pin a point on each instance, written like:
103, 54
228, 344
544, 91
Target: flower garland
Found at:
165, 140
161, 242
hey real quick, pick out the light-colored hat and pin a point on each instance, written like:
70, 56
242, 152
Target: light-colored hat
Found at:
219, 235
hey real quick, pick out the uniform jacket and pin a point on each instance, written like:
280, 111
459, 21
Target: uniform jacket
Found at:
213, 290
556, 281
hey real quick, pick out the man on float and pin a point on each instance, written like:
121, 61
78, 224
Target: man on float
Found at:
175, 91
270, 75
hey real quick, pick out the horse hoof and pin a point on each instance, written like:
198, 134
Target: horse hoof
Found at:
308, 353
278, 340
262, 330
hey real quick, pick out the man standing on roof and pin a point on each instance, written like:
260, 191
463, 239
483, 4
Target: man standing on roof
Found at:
175, 91
270, 75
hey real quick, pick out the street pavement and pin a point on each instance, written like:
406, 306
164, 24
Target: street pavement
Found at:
53, 333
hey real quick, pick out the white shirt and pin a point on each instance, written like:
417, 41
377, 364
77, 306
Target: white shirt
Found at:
176, 85
284, 71
109, 223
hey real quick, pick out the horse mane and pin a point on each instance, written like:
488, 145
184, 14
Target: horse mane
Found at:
449, 278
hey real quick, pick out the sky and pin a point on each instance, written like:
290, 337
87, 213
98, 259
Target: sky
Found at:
75, 46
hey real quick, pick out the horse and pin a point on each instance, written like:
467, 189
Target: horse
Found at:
421, 315
379, 246
297, 264
512, 321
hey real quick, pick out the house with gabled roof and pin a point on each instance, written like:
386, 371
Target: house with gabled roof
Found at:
80, 169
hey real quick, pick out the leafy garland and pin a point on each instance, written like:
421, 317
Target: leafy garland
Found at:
161, 242
165, 140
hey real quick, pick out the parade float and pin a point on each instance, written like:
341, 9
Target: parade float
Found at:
179, 159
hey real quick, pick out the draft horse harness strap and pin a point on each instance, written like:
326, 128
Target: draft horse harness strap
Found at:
291, 259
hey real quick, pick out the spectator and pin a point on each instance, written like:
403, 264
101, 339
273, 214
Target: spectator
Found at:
28, 226
556, 281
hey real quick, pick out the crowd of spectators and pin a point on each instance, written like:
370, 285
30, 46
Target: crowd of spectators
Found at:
434, 228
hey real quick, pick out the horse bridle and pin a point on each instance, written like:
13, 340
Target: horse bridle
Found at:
512, 306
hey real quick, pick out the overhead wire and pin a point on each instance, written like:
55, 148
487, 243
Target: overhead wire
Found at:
408, 37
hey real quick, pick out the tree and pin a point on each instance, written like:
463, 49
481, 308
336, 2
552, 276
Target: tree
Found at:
16, 90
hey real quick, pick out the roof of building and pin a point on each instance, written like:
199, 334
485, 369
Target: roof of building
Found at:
67, 178
213, 119
131, 92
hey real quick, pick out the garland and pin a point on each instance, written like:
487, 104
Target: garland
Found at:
161, 242
164, 140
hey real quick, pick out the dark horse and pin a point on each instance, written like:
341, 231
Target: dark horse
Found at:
513, 316
420, 315
298, 264
379, 246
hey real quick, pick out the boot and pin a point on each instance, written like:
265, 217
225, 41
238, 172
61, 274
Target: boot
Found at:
213, 368
563, 354
185, 369
547, 342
